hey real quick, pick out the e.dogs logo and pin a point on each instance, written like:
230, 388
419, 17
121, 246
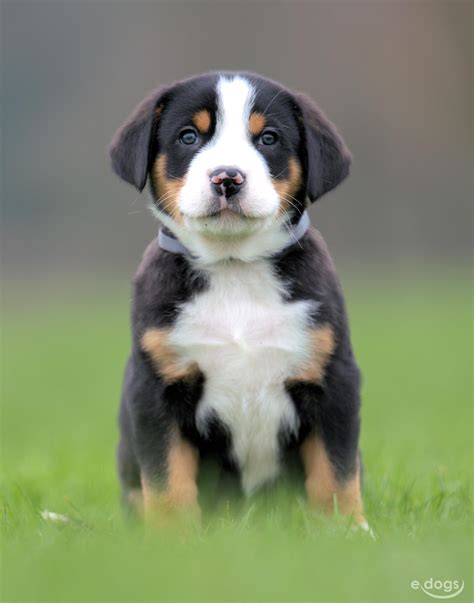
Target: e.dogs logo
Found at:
439, 589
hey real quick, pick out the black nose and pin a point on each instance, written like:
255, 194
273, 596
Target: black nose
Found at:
226, 181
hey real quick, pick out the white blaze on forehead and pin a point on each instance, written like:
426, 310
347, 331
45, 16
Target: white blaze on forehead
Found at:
234, 100
232, 146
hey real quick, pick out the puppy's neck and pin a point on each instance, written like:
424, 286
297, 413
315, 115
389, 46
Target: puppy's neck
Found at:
266, 243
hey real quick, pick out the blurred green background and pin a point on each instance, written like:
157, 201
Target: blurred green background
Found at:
397, 79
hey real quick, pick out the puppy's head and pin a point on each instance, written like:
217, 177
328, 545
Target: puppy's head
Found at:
229, 156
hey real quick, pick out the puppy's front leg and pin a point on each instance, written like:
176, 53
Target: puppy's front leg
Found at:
167, 464
330, 453
326, 490
174, 493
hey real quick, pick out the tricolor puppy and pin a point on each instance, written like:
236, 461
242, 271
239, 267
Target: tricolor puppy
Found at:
241, 349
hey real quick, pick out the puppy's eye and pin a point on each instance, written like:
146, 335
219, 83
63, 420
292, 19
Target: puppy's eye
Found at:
269, 137
188, 136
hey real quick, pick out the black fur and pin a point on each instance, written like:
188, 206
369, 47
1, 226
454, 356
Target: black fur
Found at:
333, 408
130, 149
165, 281
303, 129
149, 408
328, 159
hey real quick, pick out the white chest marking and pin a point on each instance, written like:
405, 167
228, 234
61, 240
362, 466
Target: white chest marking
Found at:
247, 341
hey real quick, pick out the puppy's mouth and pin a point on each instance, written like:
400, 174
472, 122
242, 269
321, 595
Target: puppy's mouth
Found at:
230, 221
229, 213
222, 210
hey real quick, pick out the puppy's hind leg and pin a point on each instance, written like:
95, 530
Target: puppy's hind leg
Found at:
127, 463
129, 473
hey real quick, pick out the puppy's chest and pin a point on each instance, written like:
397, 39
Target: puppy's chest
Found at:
242, 317
247, 340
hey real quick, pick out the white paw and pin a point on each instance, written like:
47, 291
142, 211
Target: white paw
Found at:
363, 525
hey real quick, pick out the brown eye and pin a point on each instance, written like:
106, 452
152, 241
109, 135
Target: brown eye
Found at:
269, 137
188, 136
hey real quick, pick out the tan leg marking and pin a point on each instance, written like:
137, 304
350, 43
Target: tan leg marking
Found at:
202, 121
322, 348
287, 188
155, 342
324, 490
180, 493
257, 122
167, 189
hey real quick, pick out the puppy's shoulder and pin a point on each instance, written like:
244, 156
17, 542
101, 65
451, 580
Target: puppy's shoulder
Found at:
151, 255
162, 282
308, 272
308, 266
318, 252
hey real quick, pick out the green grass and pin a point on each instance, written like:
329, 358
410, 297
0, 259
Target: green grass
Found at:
62, 364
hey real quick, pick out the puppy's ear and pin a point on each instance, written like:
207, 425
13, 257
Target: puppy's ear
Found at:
327, 157
130, 148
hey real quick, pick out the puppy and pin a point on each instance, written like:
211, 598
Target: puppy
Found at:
241, 350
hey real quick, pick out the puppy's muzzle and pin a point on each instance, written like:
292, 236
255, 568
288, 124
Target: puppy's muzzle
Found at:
226, 181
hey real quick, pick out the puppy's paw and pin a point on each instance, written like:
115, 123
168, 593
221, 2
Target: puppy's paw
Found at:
361, 524
170, 515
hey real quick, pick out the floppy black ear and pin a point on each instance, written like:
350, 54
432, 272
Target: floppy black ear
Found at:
130, 147
328, 158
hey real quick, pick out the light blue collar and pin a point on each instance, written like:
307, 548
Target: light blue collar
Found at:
169, 242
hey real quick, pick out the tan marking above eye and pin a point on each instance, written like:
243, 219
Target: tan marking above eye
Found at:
324, 489
257, 122
155, 342
322, 345
286, 188
202, 121
167, 189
